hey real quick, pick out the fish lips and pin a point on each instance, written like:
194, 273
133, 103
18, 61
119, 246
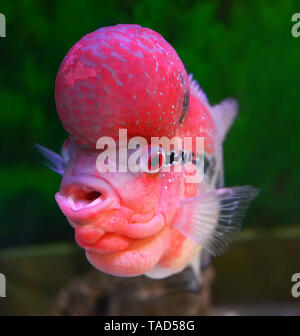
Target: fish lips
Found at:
96, 240
107, 243
139, 258
124, 256
82, 198
131, 250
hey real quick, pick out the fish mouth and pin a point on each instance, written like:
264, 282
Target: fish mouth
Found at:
113, 242
82, 198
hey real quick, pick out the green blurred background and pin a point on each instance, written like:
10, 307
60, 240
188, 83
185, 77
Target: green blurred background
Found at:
241, 49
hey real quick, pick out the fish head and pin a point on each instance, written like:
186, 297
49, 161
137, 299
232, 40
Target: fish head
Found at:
121, 78
115, 215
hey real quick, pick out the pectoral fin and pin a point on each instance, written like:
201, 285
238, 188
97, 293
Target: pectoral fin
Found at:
213, 219
56, 162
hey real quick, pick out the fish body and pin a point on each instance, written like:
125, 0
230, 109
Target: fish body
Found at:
127, 78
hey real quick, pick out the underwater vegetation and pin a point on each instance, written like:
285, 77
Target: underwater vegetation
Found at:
235, 49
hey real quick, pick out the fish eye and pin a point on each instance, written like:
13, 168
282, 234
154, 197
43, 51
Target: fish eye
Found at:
155, 160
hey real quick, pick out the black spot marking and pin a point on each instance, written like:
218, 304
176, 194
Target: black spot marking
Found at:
185, 106
172, 157
183, 156
219, 181
182, 79
206, 164
210, 166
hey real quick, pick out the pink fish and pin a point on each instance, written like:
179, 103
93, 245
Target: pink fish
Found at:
153, 222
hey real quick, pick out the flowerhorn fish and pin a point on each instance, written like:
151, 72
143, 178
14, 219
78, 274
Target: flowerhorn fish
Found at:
142, 168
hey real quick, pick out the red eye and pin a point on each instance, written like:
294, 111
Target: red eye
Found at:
156, 159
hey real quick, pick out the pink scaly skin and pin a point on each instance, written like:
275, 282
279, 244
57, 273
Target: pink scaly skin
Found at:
127, 77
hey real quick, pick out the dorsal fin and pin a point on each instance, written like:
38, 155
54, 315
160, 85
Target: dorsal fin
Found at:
197, 91
224, 115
